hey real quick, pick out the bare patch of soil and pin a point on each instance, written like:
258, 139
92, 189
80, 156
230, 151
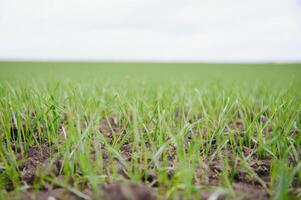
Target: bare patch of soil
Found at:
55, 194
109, 126
36, 156
124, 191
249, 191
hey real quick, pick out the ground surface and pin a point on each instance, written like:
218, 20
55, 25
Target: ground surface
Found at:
149, 131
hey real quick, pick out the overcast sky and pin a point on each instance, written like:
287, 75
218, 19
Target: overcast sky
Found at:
153, 30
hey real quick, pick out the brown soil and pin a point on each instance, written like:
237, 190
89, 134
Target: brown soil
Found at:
116, 191
36, 157
55, 194
249, 191
124, 191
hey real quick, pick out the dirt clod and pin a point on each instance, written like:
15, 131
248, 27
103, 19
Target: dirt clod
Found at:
124, 191
249, 191
55, 194
35, 156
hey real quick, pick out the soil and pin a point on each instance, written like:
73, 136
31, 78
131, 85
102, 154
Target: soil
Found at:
55, 194
124, 191
109, 127
249, 191
36, 157
116, 191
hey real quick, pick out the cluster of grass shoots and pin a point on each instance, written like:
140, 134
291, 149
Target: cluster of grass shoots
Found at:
187, 120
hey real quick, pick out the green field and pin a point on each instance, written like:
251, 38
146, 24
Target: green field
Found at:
150, 131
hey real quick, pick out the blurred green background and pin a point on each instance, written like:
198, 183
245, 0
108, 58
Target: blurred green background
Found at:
85, 72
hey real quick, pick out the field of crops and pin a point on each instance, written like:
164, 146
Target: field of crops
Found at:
150, 131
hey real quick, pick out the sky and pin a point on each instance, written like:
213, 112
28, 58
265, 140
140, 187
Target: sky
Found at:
151, 30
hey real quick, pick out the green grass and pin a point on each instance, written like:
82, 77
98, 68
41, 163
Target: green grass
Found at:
189, 124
